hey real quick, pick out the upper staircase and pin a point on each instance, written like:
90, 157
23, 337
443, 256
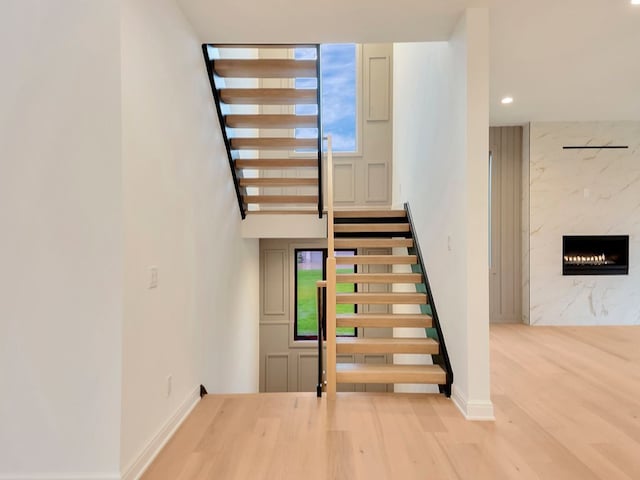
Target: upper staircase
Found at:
391, 230
263, 96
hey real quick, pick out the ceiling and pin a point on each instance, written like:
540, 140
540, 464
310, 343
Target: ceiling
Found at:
305, 21
565, 60
561, 60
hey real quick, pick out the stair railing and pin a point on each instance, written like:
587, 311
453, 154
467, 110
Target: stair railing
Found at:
322, 318
216, 98
331, 281
442, 358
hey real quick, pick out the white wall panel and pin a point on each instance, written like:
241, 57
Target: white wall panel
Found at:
378, 87
274, 282
377, 182
344, 183
277, 372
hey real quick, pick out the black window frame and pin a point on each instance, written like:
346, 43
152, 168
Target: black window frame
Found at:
296, 336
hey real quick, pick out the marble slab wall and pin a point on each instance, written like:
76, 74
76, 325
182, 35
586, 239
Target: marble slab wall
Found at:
583, 192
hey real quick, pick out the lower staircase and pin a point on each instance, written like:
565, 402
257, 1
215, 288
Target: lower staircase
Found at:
391, 230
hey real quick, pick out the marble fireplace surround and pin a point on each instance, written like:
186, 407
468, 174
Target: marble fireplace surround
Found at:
582, 192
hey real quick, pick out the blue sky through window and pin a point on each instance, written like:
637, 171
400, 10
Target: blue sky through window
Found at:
338, 66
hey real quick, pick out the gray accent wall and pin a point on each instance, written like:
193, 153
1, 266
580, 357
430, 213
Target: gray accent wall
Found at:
505, 258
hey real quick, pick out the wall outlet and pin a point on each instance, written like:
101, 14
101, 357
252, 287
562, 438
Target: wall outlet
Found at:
153, 277
169, 385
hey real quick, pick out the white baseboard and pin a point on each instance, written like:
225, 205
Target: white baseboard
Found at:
475, 410
60, 476
150, 452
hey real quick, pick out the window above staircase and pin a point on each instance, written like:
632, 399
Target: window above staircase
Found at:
339, 76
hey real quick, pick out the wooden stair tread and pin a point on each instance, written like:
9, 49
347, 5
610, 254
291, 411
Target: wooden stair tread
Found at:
373, 242
273, 143
381, 298
384, 320
378, 260
265, 68
276, 163
268, 96
370, 214
290, 211
379, 278
371, 227
389, 373
355, 345
271, 121
280, 199
278, 182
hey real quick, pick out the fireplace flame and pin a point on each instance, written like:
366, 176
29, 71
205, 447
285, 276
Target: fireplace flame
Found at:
587, 259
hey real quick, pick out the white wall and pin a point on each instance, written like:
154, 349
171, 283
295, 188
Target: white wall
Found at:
61, 239
181, 214
440, 166
583, 192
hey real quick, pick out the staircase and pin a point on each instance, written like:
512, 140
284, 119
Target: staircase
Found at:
268, 102
263, 96
386, 229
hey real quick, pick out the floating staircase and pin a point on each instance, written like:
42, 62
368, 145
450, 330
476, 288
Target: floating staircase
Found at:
268, 102
257, 89
387, 229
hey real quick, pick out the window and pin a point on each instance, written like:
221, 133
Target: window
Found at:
310, 267
339, 95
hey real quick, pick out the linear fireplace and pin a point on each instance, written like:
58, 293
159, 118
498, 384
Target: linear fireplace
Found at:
595, 255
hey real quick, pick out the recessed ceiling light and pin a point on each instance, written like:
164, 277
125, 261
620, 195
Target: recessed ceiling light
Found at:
635, 2
508, 100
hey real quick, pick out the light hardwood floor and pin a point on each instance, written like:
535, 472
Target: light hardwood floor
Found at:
567, 403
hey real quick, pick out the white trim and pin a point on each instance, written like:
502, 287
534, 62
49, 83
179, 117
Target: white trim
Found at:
59, 476
474, 410
148, 454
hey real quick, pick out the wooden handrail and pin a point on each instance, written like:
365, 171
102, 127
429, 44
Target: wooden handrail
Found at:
331, 281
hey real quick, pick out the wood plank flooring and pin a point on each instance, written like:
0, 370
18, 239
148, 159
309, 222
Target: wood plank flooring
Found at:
567, 404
